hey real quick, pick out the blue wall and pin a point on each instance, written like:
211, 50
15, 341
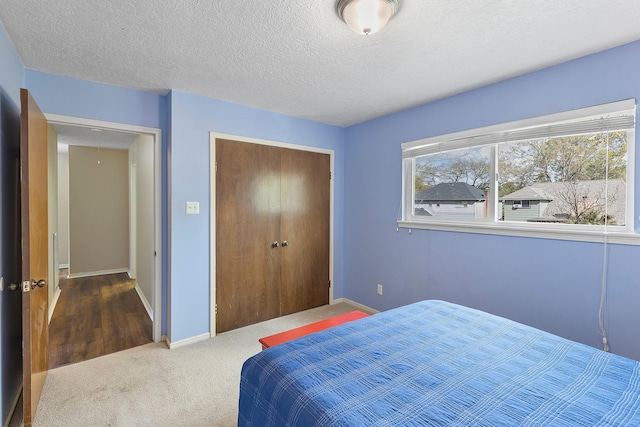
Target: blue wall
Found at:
11, 68
97, 101
556, 285
80, 98
186, 121
11, 80
550, 284
192, 118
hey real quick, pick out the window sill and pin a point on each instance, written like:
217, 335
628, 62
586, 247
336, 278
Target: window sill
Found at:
618, 235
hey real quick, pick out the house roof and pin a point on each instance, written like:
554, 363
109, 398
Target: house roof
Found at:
528, 193
451, 192
557, 193
616, 191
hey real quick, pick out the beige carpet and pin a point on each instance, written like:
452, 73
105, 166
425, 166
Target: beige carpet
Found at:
196, 385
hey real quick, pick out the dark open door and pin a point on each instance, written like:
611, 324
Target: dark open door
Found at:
33, 185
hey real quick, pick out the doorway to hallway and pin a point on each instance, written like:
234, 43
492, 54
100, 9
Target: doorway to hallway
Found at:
144, 206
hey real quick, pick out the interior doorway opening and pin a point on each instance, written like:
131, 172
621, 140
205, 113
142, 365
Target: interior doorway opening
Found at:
96, 146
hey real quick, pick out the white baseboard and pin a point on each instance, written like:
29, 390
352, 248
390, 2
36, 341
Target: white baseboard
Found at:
54, 301
359, 306
63, 266
14, 405
98, 273
145, 302
187, 341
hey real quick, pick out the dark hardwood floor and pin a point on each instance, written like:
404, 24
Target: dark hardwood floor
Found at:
95, 316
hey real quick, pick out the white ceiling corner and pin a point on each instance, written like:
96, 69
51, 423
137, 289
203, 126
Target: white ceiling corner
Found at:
298, 58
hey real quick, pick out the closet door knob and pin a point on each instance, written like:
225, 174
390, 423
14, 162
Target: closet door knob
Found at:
275, 244
285, 243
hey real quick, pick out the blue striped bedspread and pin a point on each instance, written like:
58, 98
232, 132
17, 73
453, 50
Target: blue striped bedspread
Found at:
435, 363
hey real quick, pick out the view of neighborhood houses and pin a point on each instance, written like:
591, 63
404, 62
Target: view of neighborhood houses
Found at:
577, 179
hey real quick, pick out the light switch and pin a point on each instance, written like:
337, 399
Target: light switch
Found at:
193, 208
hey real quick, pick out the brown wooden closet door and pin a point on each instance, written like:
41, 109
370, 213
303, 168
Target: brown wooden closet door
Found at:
305, 193
247, 224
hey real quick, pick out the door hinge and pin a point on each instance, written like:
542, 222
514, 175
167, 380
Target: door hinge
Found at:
329, 283
330, 176
216, 309
26, 286
216, 166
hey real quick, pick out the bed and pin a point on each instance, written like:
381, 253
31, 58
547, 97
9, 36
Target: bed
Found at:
434, 363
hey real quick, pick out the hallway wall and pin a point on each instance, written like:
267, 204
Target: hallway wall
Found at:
63, 209
142, 210
98, 211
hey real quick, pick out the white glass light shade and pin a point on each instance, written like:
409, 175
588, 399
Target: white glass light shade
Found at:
367, 16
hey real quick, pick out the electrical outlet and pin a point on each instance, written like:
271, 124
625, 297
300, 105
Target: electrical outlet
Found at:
193, 208
379, 289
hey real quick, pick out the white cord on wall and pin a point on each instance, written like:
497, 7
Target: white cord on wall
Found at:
605, 262
603, 296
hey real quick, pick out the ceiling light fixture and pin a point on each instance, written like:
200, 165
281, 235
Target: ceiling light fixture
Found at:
367, 16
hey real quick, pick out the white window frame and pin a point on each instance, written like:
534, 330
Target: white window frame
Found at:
491, 136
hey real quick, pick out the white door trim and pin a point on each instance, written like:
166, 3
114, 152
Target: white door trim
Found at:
157, 183
212, 212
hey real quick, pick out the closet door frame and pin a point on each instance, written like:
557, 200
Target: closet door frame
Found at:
212, 219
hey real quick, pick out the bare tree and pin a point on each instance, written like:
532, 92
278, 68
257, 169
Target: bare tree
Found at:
567, 160
586, 204
468, 166
571, 158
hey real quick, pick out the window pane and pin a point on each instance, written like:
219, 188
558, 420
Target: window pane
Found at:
453, 184
571, 180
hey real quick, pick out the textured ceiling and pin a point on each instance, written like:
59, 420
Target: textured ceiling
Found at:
298, 58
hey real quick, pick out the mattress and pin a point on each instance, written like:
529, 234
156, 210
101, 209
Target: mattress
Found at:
434, 363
